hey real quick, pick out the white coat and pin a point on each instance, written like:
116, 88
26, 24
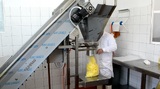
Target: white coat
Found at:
108, 44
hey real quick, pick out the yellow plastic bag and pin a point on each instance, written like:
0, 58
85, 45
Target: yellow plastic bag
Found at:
92, 67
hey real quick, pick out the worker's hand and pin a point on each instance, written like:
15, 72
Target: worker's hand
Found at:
99, 51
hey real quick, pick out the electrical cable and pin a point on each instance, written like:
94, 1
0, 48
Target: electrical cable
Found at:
76, 7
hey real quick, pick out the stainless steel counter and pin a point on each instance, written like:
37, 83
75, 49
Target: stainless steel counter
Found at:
138, 65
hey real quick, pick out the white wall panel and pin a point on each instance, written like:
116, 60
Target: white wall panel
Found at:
121, 4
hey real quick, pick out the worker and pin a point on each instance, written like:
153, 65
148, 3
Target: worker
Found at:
107, 45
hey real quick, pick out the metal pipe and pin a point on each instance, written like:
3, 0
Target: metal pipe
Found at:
76, 65
128, 76
115, 2
68, 64
49, 77
91, 51
104, 1
143, 81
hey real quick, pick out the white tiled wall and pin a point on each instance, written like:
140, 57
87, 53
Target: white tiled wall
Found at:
20, 24
137, 42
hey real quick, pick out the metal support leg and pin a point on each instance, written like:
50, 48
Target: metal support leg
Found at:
128, 75
76, 64
49, 72
103, 86
68, 65
143, 81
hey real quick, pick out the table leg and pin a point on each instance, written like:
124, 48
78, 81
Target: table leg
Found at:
143, 81
103, 87
128, 75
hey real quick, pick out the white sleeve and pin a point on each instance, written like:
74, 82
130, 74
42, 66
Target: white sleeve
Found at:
112, 46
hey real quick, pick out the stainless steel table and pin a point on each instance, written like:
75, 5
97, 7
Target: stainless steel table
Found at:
152, 70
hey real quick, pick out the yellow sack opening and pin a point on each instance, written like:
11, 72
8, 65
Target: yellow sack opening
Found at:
92, 67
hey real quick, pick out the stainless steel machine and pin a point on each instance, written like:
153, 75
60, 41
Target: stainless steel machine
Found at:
91, 22
69, 16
